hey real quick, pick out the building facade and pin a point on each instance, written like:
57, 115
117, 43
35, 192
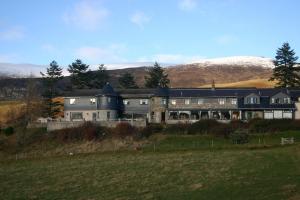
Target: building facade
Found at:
173, 105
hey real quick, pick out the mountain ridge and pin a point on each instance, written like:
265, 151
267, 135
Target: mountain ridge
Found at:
26, 69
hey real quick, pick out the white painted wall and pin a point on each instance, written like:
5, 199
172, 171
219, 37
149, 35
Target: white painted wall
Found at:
297, 113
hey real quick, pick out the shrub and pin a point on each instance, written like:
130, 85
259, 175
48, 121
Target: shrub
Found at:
239, 136
88, 131
274, 125
8, 131
203, 127
150, 129
124, 129
238, 124
178, 129
222, 130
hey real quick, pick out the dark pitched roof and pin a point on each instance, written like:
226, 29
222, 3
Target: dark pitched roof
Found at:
108, 90
81, 92
184, 92
136, 93
161, 92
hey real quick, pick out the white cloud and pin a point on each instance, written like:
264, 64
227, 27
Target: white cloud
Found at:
12, 33
187, 5
225, 39
140, 19
98, 55
86, 14
170, 58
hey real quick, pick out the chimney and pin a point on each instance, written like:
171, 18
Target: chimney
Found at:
213, 87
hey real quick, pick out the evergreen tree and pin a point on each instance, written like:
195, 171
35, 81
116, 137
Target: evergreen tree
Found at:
50, 79
79, 74
157, 77
127, 81
286, 73
99, 78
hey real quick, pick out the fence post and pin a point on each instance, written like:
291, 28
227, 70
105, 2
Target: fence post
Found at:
212, 143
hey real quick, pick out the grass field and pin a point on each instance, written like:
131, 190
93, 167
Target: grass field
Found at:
178, 168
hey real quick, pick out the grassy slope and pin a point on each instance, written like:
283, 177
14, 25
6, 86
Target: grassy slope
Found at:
9, 106
271, 173
259, 83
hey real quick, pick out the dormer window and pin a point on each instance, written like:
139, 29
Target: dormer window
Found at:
280, 98
252, 100
287, 100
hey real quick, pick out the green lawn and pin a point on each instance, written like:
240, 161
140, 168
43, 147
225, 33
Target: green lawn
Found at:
168, 173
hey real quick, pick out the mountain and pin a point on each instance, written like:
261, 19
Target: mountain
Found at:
221, 70
20, 70
230, 71
237, 61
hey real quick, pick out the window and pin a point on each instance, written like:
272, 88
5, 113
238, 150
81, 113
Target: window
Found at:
143, 101
126, 102
273, 100
187, 101
287, 100
108, 99
287, 115
108, 115
164, 101
92, 100
76, 115
72, 101
252, 100
173, 102
200, 101
276, 100
222, 101
234, 101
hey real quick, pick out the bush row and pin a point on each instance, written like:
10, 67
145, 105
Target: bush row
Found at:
233, 129
90, 131
225, 129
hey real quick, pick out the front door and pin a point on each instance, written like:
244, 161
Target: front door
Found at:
94, 116
163, 117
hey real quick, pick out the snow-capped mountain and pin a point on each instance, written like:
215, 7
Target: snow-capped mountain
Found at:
25, 70
237, 61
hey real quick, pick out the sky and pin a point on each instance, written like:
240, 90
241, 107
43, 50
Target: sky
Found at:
126, 31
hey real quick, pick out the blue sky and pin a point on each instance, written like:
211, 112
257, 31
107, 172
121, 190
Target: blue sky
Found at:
120, 31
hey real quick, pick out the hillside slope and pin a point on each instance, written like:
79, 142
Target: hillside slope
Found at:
259, 83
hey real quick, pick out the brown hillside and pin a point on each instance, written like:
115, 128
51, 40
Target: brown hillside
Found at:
195, 76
